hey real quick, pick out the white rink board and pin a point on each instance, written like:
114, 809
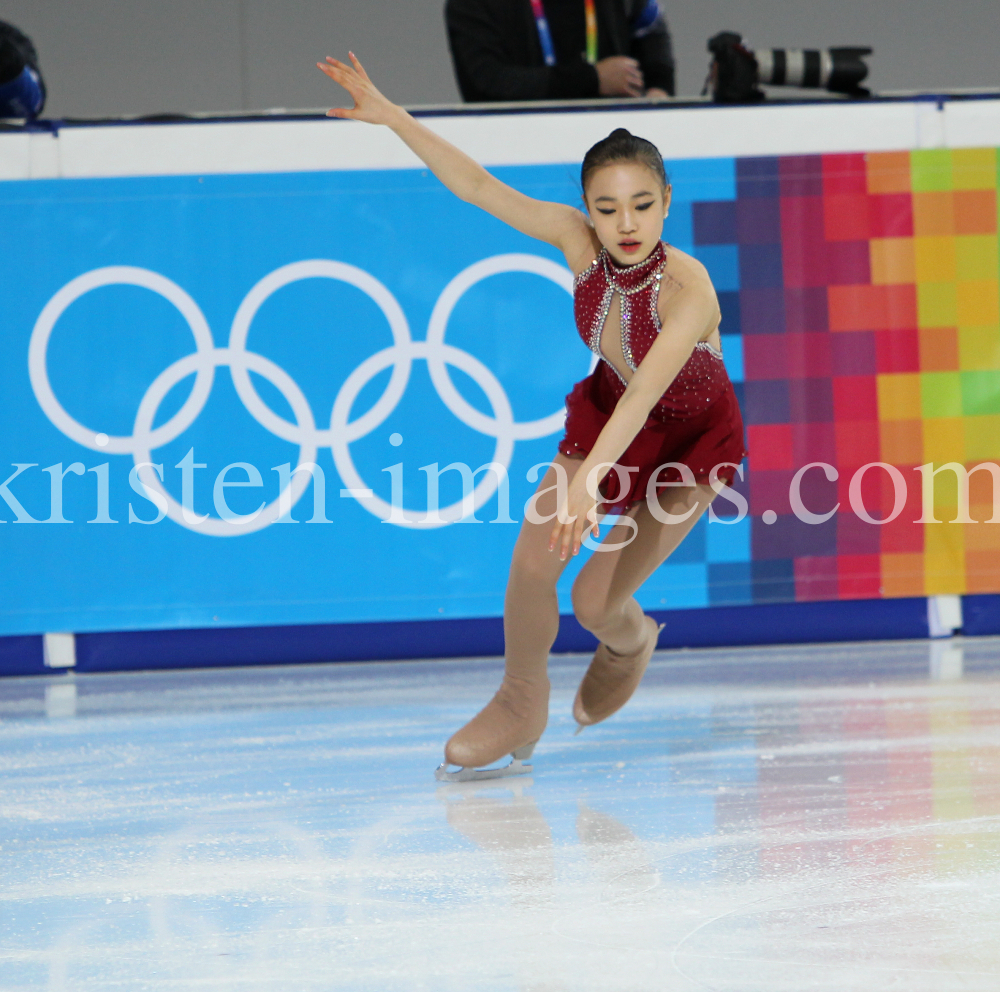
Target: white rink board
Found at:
496, 139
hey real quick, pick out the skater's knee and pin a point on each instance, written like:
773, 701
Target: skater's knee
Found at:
532, 567
590, 607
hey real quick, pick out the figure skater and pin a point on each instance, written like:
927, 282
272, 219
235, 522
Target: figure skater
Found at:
652, 434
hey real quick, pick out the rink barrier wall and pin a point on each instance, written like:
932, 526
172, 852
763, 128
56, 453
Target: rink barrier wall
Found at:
904, 167
772, 623
22, 655
495, 136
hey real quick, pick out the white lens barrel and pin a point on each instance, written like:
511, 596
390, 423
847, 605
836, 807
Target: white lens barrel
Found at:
765, 65
795, 66
808, 68
825, 66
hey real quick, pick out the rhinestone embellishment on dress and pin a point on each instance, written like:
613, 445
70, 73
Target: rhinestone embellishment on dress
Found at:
703, 376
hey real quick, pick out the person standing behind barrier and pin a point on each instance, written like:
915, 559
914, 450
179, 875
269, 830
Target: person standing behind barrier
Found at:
505, 50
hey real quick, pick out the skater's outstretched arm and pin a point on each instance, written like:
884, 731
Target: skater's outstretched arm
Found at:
556, 223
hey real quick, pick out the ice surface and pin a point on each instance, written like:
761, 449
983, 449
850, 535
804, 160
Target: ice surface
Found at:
766, 820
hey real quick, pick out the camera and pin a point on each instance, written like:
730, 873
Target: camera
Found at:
737, 71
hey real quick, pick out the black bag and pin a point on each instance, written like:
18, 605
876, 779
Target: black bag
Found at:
22, 89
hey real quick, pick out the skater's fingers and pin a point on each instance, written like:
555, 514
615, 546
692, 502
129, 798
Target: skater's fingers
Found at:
556, 540
337, 64
556, 537
565, 542
569, 544
341, 74
336, 74
356, 62
564, 516
332, 65
342, 112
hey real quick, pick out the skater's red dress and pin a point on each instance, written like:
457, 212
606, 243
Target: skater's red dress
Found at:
696, 421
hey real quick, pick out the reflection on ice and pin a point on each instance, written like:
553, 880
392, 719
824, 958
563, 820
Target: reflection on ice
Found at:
769, 819
507, 823
947, 659
60, 698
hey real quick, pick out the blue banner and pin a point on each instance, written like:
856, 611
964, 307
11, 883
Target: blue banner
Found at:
237, 400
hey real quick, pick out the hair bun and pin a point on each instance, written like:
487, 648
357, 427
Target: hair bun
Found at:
623, 146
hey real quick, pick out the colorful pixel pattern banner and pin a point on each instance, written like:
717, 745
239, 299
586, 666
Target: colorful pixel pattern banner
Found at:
868, 309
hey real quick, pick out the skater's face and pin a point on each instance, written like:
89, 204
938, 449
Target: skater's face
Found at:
627, 206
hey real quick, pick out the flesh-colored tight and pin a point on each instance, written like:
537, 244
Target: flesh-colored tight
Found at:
603, 593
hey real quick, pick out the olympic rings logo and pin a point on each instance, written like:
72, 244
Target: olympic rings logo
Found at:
304, 432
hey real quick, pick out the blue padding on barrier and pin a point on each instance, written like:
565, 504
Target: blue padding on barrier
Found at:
777, 623
145, 649
22, 656
980, 615
795, 623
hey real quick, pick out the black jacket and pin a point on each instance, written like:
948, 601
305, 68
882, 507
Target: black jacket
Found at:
497, 54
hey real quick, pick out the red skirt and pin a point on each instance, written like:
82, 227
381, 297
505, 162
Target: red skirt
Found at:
700, 440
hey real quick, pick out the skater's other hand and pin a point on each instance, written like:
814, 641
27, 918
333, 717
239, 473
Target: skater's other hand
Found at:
370, 105
577, 518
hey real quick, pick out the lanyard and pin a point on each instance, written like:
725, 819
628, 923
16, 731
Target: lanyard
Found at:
591, 31
545, 36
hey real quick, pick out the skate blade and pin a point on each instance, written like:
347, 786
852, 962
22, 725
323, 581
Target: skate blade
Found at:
516, 767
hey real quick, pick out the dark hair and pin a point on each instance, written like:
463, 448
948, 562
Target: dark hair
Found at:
623, 146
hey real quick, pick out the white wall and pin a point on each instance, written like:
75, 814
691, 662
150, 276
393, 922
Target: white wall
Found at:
551, 137
107, 57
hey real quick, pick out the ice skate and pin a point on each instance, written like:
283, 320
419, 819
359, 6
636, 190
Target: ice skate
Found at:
612, 678
510, 723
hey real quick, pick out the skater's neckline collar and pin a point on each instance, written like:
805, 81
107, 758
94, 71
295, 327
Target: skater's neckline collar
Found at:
629, 275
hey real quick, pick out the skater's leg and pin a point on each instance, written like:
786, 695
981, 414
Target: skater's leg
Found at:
604, 603
531, 608
603, 592
516, 716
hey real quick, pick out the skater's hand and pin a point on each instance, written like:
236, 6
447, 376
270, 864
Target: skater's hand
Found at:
577, 518
370, 105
